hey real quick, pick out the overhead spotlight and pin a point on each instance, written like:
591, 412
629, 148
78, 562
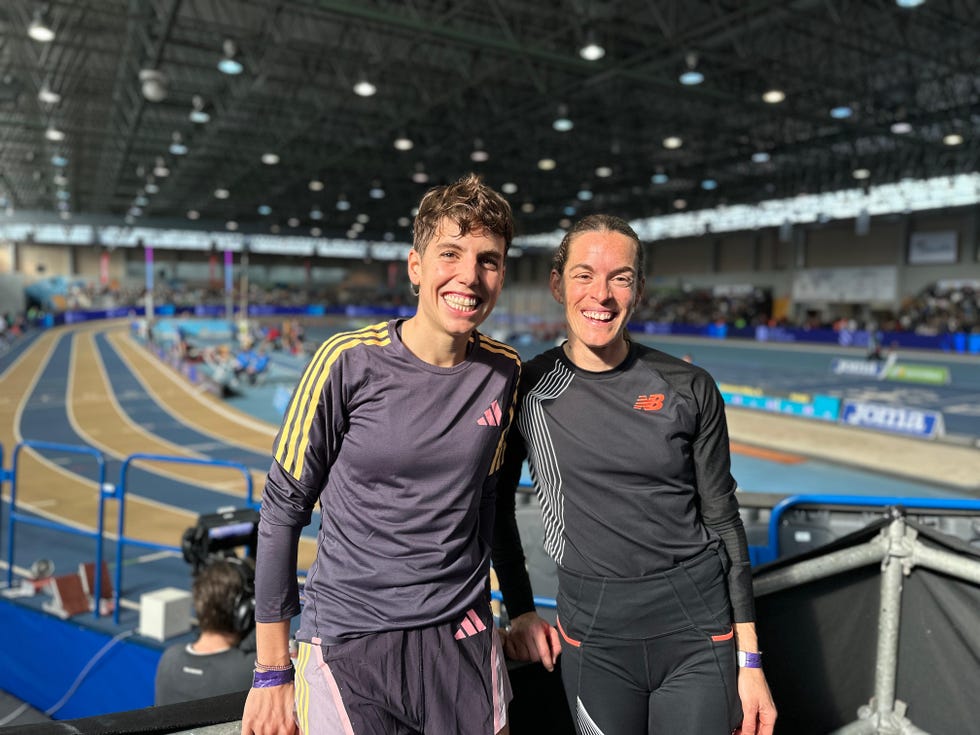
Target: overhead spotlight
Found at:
199, 113
315, 185
403, 143
59, 160
229, 62
909, 3
151, 186
660, 178
404, 221
773, 96
420, 176
591, 50
952, 139
509, 187
860, 173
264, 210
680, 203
363, 218
527, 207
316, 213
193, 214
709, 184
292, 222
60, 180
841, 112
673, 141
377, 191
221, 193
316, 231
177, 146
160, 170
364, 88
270, 159
603, 172
547, 164
48, 96
479, 153
40, 27
54, 134
901, 127
691, 76
584, 195
154, 85
231, 225
342, 203
562, 122
760, 157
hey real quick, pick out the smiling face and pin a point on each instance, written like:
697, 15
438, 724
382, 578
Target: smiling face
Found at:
459, 278
599, 287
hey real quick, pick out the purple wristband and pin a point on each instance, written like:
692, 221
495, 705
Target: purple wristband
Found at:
749, 660
263, 679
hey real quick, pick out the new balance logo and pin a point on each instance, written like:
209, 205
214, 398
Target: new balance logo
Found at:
491, 417
471, 625
652, 402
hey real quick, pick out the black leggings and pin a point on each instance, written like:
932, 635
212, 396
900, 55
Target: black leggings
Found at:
651, 654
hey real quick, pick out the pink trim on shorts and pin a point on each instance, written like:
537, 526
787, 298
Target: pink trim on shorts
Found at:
502, 693
324, 721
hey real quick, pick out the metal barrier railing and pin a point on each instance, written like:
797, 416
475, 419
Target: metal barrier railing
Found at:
120, 495
107, 491
15, 516
770, 552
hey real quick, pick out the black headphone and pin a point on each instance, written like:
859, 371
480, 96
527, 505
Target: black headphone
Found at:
243, 608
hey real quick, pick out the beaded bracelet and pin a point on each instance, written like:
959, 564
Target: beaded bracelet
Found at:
263, 679
263, 667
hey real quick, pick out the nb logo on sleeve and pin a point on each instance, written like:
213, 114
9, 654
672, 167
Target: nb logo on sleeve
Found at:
652, 402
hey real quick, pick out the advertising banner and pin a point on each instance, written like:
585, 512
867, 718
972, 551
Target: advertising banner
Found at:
897, 419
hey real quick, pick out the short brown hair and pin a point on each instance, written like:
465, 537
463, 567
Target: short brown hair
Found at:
218, 590
470, 204
597, 223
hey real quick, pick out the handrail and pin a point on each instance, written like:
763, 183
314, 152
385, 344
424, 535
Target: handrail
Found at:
772, 550
14, 516
119, 494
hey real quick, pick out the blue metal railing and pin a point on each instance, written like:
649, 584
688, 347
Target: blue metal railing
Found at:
15, 516
771, 552
120, 495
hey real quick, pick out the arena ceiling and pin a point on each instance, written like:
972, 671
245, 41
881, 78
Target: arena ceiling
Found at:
88, 120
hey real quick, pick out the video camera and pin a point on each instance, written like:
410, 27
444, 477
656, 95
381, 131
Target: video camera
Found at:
218, 535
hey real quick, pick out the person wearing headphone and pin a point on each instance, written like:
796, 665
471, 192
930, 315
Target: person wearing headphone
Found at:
221, 660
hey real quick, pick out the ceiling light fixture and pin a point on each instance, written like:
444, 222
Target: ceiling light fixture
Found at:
315, 185
364, 88
292, 222
509, 187
160, 170
198, 113
47, 96
603, 172
177, 146
265, 210
153, 84
709, 184
404, 221
363, 218
547, 164
479, 153
760, 157
229, 63
909, 3
952, 139
860, 173
270, 159
901, 127
342, 204
563, 123
584, 194
659, 178
40, 28
316, 213
841, 112
680, 203
231, 225
673, 141
151, 187
376, 191
591, 50
316, 231
691, 77
54, 134
773, 96
420, 176
221, 193
403, 143
527, 207
58, 160
193, 214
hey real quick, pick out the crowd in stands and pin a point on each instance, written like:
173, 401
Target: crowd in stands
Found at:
938, 309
